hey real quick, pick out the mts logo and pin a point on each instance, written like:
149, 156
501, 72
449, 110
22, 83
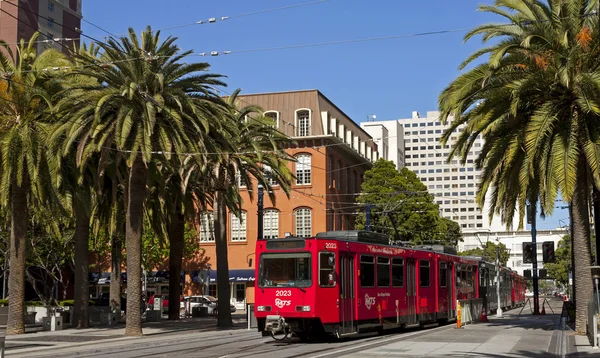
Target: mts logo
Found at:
369, 301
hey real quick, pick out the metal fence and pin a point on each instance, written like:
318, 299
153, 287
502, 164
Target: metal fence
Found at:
471, 310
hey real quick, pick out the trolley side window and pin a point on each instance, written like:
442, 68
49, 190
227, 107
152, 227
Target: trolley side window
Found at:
443, 274
326, 269
398, 272
367, 271
383, 271
424, 273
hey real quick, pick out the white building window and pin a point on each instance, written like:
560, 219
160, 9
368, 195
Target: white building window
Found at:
207, 229
303, 169
238, 228
270, 224
274, 115
302, 122
303, 222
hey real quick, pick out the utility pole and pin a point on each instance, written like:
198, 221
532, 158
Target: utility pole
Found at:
260, 212
536, 293
499, 310
368, 218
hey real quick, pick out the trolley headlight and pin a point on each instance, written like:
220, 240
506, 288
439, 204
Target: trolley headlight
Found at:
264, 308
303, 308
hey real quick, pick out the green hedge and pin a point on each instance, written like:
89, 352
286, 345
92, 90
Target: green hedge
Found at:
3, 303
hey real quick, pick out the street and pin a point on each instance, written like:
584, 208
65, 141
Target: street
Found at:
514, 335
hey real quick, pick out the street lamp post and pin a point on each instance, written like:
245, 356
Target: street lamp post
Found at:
499, 310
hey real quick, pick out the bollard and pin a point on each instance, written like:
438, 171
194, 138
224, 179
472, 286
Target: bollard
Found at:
458, 315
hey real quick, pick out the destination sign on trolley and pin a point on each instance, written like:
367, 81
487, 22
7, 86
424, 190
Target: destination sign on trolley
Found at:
285, 244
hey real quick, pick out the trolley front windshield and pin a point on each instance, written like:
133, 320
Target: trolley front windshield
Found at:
285, 270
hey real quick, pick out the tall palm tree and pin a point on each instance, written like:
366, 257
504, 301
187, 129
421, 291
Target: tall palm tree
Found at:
541, 88
25, 100
140, 104
255, 144
177, 196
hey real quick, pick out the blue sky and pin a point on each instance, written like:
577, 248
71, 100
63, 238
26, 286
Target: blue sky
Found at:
389, 78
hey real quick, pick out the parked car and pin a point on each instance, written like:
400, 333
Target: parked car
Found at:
165, 302
207, 301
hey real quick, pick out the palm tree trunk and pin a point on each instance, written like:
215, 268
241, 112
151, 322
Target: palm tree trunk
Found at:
581, 246
223, 292
17, 257
177, 241
116, 257
82, 286
133, 245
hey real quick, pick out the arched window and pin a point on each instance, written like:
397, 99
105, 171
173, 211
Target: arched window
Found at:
303, 169
274, 115
303, 219
271, 224
238, 227
207, 230
303, 123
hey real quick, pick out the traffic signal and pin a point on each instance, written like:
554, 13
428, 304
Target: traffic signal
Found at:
528, 252
543, 273
527, 273
548, 251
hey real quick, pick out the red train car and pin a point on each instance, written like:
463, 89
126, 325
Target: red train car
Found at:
347, 282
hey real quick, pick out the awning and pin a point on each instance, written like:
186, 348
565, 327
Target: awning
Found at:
244, 275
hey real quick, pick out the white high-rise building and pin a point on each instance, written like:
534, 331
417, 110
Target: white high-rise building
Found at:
454, 185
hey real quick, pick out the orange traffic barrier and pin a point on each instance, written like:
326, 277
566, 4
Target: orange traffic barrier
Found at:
458, 315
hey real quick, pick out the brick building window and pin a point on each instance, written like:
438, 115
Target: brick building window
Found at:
207, 229
303, 220
238, 227
271, 224
302, 123
303, 169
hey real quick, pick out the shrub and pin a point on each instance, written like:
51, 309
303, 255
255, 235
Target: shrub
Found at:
3, 303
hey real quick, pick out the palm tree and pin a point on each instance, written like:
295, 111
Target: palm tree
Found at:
25, 100
536, 102
141, 105
256, 145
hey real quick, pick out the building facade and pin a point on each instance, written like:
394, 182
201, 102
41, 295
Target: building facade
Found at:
453, 184
58, 21
514, 243
332, 152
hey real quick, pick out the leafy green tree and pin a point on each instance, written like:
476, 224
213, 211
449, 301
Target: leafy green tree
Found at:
25, 103
536, 102
401, 207
559, 270
488, 252
255, 145
141, 104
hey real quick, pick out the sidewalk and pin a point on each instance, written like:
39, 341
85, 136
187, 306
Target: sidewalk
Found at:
514, 335
45, 340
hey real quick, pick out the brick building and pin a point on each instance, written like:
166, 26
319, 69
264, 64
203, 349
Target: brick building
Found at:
332, 154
